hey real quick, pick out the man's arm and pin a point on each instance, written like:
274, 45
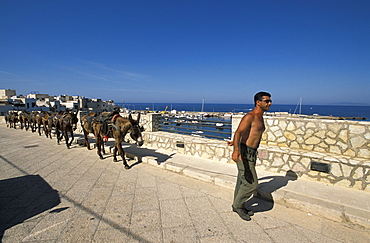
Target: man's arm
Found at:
244, 126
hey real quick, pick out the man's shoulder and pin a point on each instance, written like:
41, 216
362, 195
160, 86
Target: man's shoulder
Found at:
249, 115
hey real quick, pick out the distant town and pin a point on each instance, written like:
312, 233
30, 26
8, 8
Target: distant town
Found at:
9, 100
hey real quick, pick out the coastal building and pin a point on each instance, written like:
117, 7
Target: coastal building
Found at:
9, 100
7, 93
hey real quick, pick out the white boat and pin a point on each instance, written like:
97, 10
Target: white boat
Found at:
219, 124
198, 132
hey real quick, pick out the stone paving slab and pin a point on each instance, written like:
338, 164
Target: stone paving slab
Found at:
100, 201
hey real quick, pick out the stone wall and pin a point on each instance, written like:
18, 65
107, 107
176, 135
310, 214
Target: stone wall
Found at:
288, 144
342, 137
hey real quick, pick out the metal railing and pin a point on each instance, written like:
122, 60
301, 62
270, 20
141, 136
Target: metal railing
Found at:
205, 127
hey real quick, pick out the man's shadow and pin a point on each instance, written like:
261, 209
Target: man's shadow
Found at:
263, 200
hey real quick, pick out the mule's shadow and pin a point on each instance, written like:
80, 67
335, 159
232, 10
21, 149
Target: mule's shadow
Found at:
133, 152
263, 200
22, 198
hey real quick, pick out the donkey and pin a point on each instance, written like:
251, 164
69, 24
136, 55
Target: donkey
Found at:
45, 124
13, 119
91, 123
39, 121
33, 120
7, 119
118, 130
49, 124
68, 124
56, 122
24, 118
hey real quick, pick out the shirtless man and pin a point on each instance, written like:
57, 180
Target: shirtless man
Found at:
246, 141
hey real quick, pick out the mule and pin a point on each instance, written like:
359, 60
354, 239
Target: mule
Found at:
13, 119
56, 122
7, 119
33, 122
49, 124
68, 124
24, 119
39, 121
45, 124
118, 130
91, 123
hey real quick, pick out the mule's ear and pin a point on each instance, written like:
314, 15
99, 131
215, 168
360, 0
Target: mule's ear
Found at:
130, 117
138, 117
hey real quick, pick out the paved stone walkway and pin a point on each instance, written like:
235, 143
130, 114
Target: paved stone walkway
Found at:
49, 193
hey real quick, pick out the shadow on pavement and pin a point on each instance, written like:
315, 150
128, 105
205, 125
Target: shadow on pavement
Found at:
22, 198
132, 151
263, 200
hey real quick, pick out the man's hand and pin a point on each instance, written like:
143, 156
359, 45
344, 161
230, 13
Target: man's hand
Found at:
236, 156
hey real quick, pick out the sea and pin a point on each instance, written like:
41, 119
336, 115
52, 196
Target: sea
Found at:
348, 112
224, 133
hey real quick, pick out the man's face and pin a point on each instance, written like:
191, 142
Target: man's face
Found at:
265, 103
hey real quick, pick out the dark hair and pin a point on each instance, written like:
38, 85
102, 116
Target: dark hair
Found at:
259, 96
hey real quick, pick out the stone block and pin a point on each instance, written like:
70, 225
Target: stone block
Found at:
278, 162
298, 167
290, 136
336, 170
311, 125
291, 126
349, 152
364, 153
334, 127
356, 129
313, 140
358, 142
331, 134
320, 134
334, 149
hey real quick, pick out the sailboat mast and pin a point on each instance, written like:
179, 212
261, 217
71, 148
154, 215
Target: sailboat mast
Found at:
203, 104
300, 106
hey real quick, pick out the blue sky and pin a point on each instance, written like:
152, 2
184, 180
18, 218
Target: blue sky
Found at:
181, 51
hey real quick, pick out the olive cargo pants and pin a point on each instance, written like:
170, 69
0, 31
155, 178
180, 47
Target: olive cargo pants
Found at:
247, 181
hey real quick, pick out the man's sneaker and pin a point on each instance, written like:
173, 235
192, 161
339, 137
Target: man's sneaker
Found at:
242, 212
249, 212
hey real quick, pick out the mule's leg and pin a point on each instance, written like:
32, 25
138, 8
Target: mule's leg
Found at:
102, 145
122, 153
86, 140
65, 134
99, 144
72, 138
39, 130
57, 134
115, 153
46, 131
